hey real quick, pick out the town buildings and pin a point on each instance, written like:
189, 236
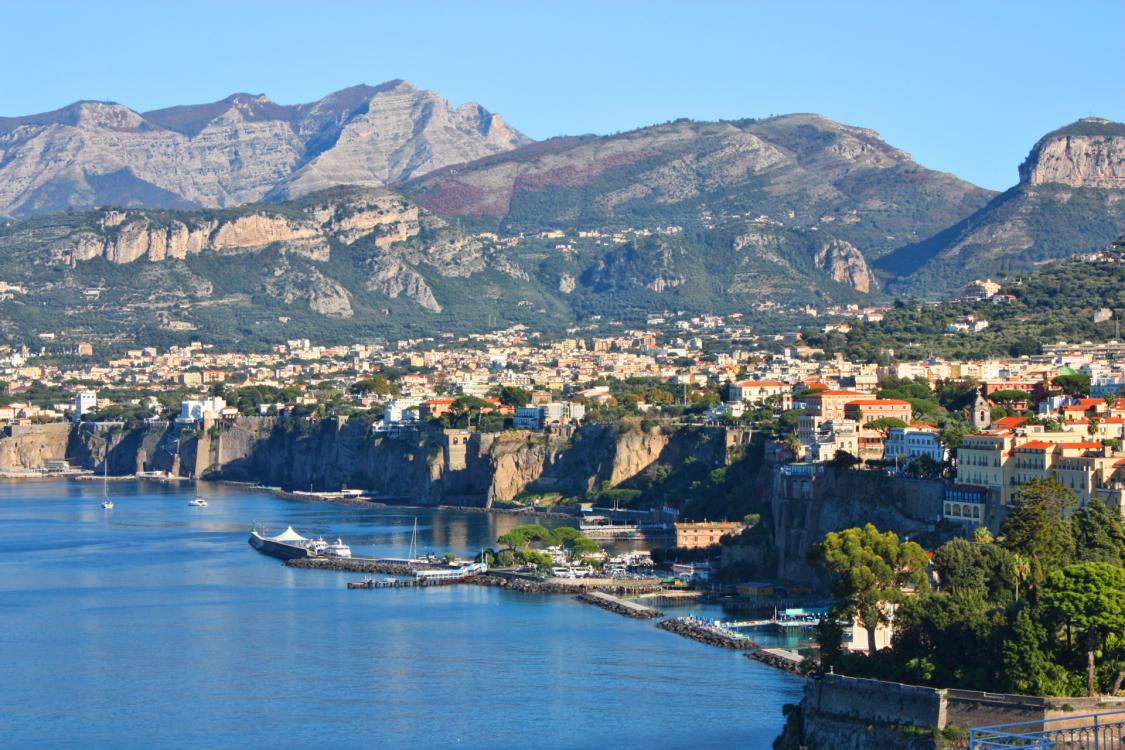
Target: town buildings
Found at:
700, 534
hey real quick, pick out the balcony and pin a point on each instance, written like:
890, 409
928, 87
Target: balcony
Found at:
1103, 731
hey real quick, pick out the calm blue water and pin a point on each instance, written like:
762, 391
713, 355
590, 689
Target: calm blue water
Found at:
155, 624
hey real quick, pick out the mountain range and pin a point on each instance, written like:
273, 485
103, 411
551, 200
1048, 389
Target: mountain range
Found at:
386, 210
242, 149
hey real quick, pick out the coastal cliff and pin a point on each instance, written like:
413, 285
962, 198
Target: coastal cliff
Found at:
427, 466
32, 446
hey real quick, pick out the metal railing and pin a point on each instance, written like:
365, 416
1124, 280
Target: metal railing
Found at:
1104, 731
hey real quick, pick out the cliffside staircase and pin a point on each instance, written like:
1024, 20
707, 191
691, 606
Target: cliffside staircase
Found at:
1103, 731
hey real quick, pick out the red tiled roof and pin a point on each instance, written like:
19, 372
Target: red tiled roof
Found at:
1082, 446
1035, 445
1010, 421
878, 402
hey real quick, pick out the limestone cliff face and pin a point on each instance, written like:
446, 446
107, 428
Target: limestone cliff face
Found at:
32, 446
430, 466
238, 150
435, 466
126, 236
805, 508
843, 262
1089, 153
1070, 199
394, 278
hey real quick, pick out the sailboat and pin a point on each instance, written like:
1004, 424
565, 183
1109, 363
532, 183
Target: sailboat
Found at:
106, 502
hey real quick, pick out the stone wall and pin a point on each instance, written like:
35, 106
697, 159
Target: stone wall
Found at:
874, 701
844, 713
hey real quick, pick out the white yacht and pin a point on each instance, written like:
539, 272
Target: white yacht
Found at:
198, 502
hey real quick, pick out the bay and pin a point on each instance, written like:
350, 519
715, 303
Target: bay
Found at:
156, 625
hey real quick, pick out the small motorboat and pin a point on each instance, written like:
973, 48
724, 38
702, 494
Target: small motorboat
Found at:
107, 504
198, 502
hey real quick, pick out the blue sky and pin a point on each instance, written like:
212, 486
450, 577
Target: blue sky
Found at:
964, 87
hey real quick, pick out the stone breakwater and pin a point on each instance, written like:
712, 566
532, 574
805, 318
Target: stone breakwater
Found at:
506, 581
568, 586
618, 606
787, 661
358, 565
698, 630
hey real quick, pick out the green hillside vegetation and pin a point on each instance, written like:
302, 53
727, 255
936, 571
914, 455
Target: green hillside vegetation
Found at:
1055, 303
1042, 606
244, 299
1018, 230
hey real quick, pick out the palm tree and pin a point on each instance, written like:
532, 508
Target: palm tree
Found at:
1021, 571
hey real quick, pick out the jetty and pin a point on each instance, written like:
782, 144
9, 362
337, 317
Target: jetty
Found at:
619, 606
363, 565
779, 658
709, 633
438, 577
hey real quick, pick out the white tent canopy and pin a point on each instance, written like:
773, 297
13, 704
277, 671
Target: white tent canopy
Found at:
289, 536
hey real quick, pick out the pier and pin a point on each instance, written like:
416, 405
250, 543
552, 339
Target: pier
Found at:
619, 606
362, 565
406, 583
780, 658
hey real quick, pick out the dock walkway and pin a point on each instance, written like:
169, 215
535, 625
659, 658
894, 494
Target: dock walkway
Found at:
620, 606
781, 658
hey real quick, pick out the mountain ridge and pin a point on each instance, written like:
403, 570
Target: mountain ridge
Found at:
1070, 199
239, 149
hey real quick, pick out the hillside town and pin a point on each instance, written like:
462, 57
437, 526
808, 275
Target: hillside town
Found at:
984, 426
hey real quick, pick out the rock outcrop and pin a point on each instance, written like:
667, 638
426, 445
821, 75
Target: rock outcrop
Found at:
236, 151
126, 236
32, 446
1070, 199
393, 278
1090, 153
844, 263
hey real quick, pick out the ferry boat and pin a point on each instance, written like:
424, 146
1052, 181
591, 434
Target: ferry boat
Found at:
337, 549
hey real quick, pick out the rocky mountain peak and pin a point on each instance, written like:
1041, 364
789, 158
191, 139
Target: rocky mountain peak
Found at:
1086, 153
240, 149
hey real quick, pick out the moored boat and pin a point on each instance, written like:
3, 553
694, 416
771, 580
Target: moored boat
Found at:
337, 549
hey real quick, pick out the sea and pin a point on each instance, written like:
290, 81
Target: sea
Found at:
156, 625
